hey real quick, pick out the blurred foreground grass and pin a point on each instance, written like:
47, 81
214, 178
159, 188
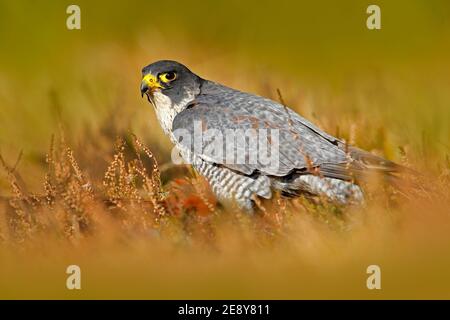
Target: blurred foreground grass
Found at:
386, 91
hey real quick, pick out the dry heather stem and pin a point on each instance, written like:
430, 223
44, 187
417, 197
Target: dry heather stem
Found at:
131, 200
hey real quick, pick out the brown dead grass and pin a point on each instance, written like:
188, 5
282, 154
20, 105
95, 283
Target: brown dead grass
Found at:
140, 229
177, 232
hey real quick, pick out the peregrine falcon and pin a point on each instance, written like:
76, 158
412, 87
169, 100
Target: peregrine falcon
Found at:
308, 160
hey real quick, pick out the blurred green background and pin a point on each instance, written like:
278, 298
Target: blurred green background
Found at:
380, 90
387, 88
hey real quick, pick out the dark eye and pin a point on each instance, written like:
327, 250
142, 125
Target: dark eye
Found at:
168, 76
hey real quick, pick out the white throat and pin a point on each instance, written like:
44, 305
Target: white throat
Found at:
166, 110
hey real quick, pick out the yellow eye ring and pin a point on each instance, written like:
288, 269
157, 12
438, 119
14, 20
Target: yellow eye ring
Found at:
167, 76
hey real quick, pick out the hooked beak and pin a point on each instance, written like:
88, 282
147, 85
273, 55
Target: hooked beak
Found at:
149, 84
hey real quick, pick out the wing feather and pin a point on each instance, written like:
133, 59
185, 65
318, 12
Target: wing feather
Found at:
301, 144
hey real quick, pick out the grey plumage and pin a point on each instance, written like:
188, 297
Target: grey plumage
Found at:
310, 161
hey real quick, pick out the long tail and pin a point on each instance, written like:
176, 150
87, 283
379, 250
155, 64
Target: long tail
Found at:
363, 164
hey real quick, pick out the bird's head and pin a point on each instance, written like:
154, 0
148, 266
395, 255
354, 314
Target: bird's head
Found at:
169, 82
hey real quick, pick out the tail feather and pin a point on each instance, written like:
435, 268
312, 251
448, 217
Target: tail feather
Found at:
363, 164
341, 182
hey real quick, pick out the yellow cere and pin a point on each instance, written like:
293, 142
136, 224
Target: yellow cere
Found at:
151, 81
